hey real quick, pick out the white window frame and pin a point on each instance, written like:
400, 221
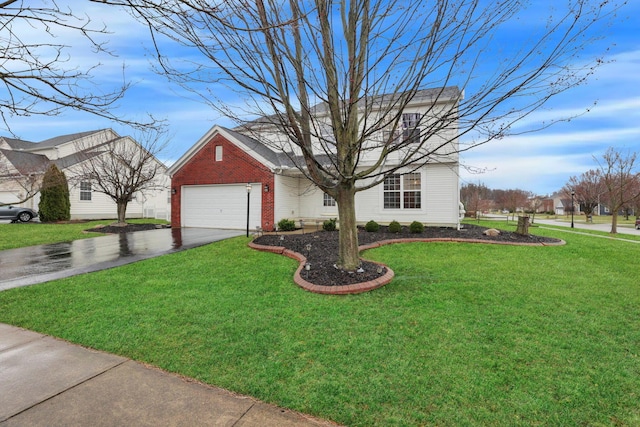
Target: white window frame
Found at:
85, 192
328, 201
218, 153
404, 190
411, 129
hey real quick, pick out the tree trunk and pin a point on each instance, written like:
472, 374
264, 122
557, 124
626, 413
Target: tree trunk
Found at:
614, 222
523, 226
122, 211
348, 255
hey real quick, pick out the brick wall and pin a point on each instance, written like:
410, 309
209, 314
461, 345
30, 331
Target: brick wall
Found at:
236, 167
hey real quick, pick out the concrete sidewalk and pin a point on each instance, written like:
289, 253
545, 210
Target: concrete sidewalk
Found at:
49, 382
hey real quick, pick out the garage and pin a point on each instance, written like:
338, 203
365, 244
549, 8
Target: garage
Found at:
7, 198
221, 206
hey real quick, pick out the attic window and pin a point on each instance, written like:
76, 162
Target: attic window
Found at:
218, 153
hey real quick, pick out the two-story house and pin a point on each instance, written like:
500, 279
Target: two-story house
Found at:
230, 171
23, 163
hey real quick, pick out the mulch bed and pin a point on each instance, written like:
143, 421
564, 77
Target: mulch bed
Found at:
129, 228
324, 249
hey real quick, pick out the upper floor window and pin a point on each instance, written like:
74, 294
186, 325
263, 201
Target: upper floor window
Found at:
409, 131
402, 191
328, 200
85, 190
218, 153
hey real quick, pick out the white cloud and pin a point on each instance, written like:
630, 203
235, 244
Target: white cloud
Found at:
543, 162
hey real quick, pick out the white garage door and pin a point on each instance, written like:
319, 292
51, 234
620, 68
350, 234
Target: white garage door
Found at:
221, 206
7, 197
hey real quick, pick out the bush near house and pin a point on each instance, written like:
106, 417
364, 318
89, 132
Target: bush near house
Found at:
330, 224
372, 226
394, 227
54, 196
416, 227
286, 224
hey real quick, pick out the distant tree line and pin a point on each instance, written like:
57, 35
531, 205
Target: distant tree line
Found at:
480, 198
614, 183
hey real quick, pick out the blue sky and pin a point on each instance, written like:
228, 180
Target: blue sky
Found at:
540, 162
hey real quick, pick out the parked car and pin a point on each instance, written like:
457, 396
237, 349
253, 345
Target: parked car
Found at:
637, 223
16, 213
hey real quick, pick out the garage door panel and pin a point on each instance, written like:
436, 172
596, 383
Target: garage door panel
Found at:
220, 206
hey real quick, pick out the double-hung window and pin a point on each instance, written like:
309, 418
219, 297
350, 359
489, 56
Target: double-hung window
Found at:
411, 127
85, 190
402, 191
328, 200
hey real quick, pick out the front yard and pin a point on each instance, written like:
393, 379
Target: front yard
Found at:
466, 334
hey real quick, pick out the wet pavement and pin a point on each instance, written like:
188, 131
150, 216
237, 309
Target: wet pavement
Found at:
37, 264
49, 382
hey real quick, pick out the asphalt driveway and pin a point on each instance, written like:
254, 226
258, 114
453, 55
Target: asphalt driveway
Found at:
42, 263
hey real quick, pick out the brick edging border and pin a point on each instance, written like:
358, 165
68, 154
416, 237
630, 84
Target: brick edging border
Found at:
370, 285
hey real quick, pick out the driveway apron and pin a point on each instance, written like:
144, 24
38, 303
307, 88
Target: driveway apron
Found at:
37, 264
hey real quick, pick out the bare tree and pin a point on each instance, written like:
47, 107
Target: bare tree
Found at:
535, 203
333, 78
513, 200
620, 181
588, 189
122, 168
473, 195
36, 69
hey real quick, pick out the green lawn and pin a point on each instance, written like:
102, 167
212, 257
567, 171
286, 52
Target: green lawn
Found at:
466, 334
35, 233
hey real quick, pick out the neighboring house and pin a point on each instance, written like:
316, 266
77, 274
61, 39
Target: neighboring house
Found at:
23, 163
540, 204
562, 204
209, 184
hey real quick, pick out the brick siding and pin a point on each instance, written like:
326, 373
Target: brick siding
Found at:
236, 167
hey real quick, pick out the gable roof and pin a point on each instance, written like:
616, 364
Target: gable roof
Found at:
22, 154
18, 144
63, 139
26, 163
428, 96
256, 146
252, 147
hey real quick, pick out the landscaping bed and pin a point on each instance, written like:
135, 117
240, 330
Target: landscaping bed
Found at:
323, 251
129, 228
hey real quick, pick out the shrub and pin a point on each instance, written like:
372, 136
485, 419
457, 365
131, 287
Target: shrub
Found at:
416, 227
372, 226
54, 196
330, 224
286, 224
394, 227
